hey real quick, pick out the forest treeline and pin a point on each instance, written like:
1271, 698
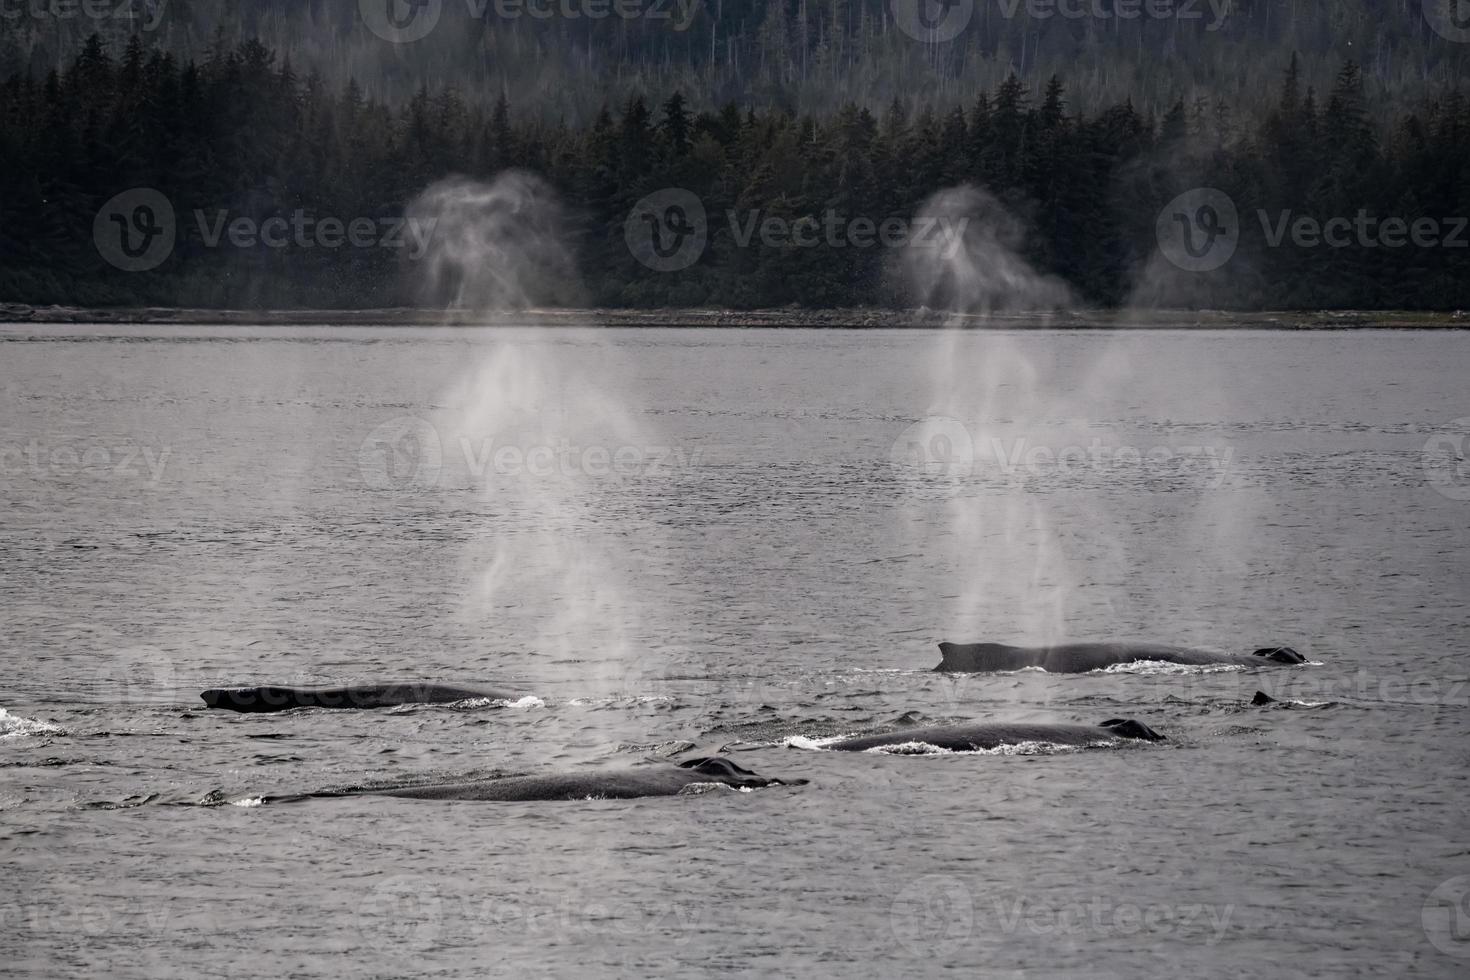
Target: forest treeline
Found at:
558, 60
243, 134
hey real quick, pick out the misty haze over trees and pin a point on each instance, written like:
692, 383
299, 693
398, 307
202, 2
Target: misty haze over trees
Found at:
799, 56
775, 120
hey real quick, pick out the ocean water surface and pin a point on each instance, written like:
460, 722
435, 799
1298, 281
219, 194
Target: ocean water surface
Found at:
680, 540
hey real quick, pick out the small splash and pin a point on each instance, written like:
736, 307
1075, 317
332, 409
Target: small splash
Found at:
925, 748
909, 748
1019, 748
14, 726
813, 744
699, 789
529, 701
1296, 703
1162, 667
249, 801
997, 673
126, 803
630, 699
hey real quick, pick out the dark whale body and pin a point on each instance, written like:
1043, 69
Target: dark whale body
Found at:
624, 784
360, 696
1077, 658
972, 736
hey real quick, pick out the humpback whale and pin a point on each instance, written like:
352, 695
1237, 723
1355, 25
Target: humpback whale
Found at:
616, 784
1077, 658
358, 696
970, 736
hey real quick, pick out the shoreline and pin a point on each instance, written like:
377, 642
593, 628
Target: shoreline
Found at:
833, 319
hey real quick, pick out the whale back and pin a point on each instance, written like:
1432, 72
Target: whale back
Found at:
1128, 728
609, 785
983, 657
1076, 658
274, 698
723, 770
1280, 655
969, 737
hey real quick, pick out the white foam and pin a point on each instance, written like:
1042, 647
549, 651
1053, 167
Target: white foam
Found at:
631, 699
529, 701
699, 789
1018, 748
1007, 673
925, 748
14, 726
1164, 667
815, 744
249, 801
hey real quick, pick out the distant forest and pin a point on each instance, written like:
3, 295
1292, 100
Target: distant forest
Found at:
244, 131
803, 57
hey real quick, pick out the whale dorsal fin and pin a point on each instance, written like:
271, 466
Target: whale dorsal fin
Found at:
1128, 728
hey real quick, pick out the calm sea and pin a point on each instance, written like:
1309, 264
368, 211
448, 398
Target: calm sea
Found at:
739, 539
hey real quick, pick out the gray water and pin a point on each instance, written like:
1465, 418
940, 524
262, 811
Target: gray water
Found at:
776, 556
